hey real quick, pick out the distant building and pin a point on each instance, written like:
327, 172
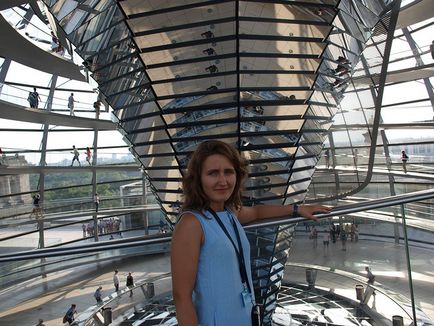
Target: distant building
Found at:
14, 184
132, 195
415, 149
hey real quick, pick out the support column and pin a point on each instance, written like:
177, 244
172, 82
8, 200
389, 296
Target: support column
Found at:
419, 61
333, 157
144, 200
94, 181
5, 188
43, 162
407, 255
391, 183
393, 20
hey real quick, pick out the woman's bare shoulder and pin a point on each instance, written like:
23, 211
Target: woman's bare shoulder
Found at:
188, 229
188, 222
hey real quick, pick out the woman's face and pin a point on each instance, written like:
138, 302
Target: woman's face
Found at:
218, 178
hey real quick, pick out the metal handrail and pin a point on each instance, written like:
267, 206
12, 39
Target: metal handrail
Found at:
140, 241
353, 208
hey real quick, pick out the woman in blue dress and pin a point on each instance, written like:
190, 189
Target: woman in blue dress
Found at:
210, 258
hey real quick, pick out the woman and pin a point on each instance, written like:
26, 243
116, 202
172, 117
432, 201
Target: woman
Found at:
209, 285
88, 155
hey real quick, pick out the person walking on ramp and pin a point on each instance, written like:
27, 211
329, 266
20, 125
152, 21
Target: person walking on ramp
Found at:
76, 154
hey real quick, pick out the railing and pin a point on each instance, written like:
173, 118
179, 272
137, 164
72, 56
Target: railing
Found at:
338, 211
19, 157
12, 273
76, 207
354, 208
344, 284
18, 95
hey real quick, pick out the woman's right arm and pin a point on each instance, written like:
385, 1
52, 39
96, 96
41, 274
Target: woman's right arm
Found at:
186, 242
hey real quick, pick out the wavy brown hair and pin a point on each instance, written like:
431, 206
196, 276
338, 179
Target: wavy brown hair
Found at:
194, 196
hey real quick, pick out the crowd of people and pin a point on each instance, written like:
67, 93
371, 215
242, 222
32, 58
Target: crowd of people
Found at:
105, 226
334, 234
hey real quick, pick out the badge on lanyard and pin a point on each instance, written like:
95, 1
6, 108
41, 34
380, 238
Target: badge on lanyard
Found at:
246, 296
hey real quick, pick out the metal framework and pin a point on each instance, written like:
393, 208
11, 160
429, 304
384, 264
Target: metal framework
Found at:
268, 77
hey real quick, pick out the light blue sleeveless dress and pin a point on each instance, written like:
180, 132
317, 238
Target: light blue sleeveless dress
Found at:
217, 292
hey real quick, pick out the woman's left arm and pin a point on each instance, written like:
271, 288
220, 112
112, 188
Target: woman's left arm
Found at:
249, 214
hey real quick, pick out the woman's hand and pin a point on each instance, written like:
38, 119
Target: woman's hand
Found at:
308, 211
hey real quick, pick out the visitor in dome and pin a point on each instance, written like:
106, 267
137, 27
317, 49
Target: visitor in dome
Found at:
69, 316
98, 295
71, 102
96, 202
404, 159
34, 98
40, 322
88, 155
97, 107
130, 283
432, 49
369, 275
76, 155
210, 259
36, 209
327, 158
314, 236
116, 280
54, 42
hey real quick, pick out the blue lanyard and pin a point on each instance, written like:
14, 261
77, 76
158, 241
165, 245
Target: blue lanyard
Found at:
238, 251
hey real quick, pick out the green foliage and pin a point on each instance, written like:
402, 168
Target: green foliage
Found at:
68, 193
72, 180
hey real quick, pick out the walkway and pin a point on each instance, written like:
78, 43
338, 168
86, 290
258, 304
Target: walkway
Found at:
14, 46
395, 173
79, 216
398, 76
417, 12
49, 298
7, 170
15, 112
